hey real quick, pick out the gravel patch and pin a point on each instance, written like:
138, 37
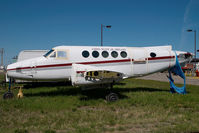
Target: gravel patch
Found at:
177, 79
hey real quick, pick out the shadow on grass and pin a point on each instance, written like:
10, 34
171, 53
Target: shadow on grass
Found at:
99, 93
46, 84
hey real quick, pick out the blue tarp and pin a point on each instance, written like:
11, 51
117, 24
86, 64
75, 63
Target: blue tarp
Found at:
178, 71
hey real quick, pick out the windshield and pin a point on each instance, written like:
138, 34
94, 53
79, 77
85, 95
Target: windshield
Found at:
48, 53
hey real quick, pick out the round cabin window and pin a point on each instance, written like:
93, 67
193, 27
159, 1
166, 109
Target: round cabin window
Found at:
95, 54
85, 54
114, 54
105, 54
123, 54
152, 54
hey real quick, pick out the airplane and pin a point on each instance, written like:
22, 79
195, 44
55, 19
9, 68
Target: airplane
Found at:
92, 65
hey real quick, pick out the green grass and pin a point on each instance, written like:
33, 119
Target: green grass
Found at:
1, 76
145, 106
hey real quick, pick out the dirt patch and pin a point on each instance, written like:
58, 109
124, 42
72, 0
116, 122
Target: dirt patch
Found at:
177, 79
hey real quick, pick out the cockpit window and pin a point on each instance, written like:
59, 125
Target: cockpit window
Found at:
53, 55
48, 53
61, 54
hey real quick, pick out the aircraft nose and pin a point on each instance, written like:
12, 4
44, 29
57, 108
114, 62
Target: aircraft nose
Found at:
11, 69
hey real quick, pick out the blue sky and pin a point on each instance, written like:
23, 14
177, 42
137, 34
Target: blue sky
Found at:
43, 24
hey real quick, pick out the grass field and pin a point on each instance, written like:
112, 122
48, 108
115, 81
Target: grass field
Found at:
145, 106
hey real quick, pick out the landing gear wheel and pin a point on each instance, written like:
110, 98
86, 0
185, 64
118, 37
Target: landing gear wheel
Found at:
112, 97
8, 95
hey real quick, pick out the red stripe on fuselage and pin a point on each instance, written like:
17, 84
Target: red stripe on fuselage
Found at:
160, 58
89, 63
69, 64
54, 65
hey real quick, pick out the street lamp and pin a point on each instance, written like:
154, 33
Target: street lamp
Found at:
2, 52
190, 30
103, 26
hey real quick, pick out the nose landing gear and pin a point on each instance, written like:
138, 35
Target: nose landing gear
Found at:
9, 94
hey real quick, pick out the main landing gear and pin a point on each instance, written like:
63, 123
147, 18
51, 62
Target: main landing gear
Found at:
111, 97
9, 94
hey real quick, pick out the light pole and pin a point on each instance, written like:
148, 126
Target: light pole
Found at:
2, 52
102, 26
190, 30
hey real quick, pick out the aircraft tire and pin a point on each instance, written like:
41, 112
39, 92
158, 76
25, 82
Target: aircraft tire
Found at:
8, 95
112, 97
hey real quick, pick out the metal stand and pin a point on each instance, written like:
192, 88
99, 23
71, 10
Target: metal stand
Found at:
9, 94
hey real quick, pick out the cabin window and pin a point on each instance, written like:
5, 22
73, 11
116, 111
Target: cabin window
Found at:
114, 54
123, 54
95, 54
61, 54
152, 54
85, 54
105, 54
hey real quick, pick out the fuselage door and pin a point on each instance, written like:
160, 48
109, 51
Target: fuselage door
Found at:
130, 56
140, 61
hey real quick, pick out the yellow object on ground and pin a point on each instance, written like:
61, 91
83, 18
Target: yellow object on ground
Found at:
193, 77
20, 94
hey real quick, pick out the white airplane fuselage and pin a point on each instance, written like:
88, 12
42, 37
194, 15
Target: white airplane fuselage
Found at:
130, 61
